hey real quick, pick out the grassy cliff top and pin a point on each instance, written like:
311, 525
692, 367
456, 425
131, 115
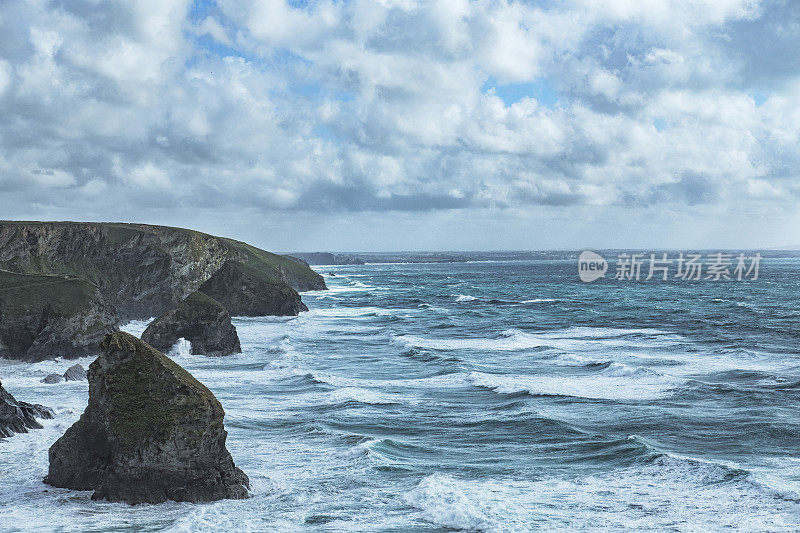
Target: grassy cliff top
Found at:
114, 235
198, 304
23, 293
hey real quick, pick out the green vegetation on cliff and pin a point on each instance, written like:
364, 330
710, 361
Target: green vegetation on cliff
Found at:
144, 403
140, 269
45, 317
198, 304
24, 293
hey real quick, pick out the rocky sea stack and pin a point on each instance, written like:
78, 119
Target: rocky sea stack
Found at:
19, 417
150, 433
199, 319
245, 291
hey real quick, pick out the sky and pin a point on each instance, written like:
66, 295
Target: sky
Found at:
408, 125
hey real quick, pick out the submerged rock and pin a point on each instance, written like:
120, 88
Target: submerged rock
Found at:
75, 373
19, 417
244, 291
150, 433
51, 379
199, 319
44, 317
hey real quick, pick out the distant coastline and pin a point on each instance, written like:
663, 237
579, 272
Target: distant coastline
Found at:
361, 258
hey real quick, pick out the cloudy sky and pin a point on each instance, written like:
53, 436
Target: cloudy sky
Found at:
403, 124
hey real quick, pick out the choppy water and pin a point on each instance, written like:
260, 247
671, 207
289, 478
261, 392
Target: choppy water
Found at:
482, 396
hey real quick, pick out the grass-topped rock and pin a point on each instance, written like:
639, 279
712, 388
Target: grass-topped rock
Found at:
246, 291
150, 433
44, 317
199, 319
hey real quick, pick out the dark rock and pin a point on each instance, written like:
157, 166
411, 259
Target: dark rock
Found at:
75, 373
245, 291
44, 317
19, 417
141, 270
51, 379
150, 433
199, 319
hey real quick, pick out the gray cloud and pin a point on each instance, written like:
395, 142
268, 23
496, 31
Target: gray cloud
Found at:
380, 107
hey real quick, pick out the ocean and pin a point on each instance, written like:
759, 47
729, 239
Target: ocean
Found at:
479, 396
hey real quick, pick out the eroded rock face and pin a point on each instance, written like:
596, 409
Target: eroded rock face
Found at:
19, 417
199, 319
141, 270
150, 433
44, 317
246, 292
75, 373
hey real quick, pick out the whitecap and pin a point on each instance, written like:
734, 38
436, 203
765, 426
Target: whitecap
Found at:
617, 382
136, 327
181, 350
444, 502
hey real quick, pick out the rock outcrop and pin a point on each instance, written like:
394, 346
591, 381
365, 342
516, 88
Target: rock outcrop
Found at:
199, 319
245, 291
19, 417
141, 270
75, 373
150, 433
44, 317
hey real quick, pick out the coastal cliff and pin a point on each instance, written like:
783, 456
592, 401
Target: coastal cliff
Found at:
44, 317
140, 270
245, 291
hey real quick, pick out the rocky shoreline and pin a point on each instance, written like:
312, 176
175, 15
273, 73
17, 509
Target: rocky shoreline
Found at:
19, 417
151, 432
65, 285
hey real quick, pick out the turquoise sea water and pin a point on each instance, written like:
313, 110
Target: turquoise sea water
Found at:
501, 396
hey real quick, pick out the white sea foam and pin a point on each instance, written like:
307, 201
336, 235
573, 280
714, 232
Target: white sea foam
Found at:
454, 380
465, 298
565, 339
617, 382
508, 340
181, 350
444, 501
669, 493
361, 449
136, 327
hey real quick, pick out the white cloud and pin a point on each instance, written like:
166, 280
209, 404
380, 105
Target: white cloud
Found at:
382, 105
6, 72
